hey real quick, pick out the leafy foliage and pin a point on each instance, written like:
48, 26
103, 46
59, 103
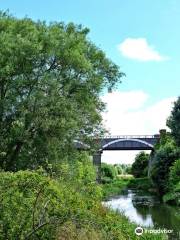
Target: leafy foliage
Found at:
69, 231
173, 194
42, 205
143, 184
140, 166
50, 80
174, 175
108, 171
165, 166
114, 187
174, 121
123, 169
30, 206
34, 206
163, 160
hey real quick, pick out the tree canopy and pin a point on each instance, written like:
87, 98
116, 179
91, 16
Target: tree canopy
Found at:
140, 166
163, 159
51, 76
174, 121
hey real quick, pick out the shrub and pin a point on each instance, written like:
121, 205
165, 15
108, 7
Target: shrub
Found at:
140, 166
173, 196
31, 205
162, 162
42, 204
114, 187
69, 231
140, 184
108, 171
174, 175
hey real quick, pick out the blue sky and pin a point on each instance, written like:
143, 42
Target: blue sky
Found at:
142, 37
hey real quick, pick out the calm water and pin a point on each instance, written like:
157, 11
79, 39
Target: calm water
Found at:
147, 211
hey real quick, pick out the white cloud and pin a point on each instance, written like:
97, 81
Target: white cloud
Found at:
128, 114
139, 49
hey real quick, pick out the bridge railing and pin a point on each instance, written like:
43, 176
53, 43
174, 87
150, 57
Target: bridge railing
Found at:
131, 136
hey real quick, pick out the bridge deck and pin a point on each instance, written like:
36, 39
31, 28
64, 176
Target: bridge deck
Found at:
124, 142
129, 142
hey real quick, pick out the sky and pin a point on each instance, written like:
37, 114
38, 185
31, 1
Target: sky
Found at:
142, 37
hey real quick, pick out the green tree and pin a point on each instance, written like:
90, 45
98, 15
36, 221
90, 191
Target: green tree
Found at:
163, 159
140, 166
174, 121
119, 169
50, 80
123, 168
128, 169
108, 171
174, 176
173, 194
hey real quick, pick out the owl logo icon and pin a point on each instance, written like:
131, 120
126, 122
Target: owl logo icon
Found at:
139, 231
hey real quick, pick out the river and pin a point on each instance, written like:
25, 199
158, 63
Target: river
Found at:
147, 211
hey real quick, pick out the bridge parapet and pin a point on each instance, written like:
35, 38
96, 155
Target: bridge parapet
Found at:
123, 142
130, 136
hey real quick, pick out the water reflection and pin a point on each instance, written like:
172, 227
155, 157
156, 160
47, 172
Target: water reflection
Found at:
147, 211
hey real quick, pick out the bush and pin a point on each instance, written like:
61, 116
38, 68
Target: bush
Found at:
174, 176
140, 166
69, 231
119, 169
164, 158
173, 196
108, 171
123, 169
42, 205
140, 184
114, 187
31, 206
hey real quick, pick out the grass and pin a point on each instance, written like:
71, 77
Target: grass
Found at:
120, 228
108, 225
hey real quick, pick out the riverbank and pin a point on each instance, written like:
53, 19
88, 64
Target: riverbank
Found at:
141, 199
147, 211
72, 207
116, 186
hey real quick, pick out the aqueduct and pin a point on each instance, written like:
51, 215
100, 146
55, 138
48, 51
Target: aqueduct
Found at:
122, 142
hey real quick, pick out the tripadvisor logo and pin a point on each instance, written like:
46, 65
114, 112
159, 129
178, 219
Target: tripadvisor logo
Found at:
139, 231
